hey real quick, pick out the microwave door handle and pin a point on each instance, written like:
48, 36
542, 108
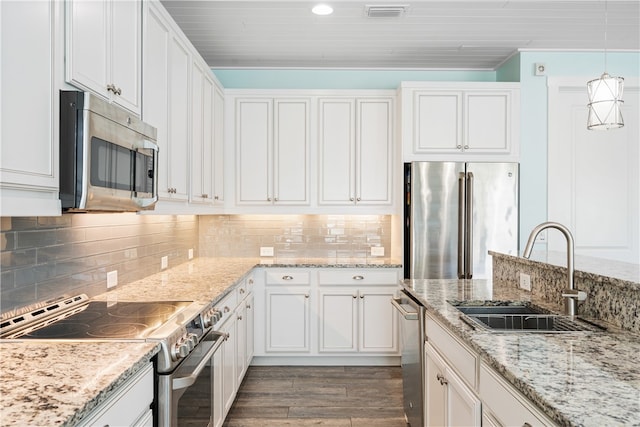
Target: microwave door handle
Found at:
148, 201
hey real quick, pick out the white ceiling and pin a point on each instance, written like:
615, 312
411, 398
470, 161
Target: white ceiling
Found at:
431, 34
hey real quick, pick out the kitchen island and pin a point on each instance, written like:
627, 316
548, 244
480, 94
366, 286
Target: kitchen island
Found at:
574, 378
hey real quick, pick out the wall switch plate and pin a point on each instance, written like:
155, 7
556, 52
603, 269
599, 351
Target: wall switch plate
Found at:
112, 279
377, 250
266, 250
164, 262
525, 282
190, 254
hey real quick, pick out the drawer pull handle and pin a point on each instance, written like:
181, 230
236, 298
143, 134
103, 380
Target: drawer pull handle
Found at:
287, 277
358, 277
239, 317
526, 424
441, 378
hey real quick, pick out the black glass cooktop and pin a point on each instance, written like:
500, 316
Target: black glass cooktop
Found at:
103, 320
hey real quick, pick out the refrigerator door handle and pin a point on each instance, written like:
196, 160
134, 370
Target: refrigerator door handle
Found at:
468, 244
461, 225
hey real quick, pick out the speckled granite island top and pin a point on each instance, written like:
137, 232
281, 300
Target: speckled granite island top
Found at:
576, 378
47, 384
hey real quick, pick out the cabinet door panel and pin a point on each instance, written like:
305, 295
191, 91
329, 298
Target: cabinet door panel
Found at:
373, 152
197, 137
229, 364
337, 142
378, 321
125, 52
155, 109
27, 91
254, 140
488, 120
218, 145
288, 320
438, 122
179, 122
463, 407
207, 136
88, 37
435, 392
291, 151
241, 342
338, 325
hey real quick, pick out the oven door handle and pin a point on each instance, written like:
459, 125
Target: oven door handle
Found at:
184, 382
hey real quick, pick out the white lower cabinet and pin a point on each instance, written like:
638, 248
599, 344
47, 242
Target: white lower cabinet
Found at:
130, 404
288, 319
218, 394
355, 311
448, 400
504, 405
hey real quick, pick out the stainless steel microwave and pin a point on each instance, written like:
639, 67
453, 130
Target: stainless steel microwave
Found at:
108, 158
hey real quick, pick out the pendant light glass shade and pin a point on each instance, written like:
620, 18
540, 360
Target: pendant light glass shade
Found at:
605, 102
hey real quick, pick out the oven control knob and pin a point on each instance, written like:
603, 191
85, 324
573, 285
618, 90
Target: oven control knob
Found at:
180, 350
192, 341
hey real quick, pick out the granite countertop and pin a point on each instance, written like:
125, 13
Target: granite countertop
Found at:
47, 384
576, 378
58, 383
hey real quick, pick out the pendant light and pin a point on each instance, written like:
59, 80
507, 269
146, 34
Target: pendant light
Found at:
605, 95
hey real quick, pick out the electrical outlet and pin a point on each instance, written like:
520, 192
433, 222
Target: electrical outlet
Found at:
112, 279
190, 254
525, 281
164, 262
266, 250
377, 250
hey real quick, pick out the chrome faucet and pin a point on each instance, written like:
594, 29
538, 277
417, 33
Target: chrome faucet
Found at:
571, 294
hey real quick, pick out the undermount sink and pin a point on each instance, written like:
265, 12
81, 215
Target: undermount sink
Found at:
515, 316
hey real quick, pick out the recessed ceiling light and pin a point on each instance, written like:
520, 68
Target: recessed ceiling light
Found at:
322, 9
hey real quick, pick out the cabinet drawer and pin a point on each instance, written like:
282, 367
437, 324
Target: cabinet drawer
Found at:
506, 403
354, 276
462, 359
288, 277
129, 403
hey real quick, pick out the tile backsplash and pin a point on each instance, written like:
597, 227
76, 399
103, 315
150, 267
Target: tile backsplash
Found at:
45, 257
295, 236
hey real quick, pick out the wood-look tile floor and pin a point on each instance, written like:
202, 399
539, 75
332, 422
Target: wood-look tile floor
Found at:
330, 396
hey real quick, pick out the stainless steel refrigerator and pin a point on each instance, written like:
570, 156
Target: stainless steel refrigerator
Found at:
454, 214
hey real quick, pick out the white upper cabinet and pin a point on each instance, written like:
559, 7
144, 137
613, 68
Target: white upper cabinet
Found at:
202, 133
104, 49
355, 150
31, 58
272, 146
470, 121
166, 100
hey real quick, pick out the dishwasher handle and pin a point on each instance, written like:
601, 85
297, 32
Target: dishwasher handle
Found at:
409, 315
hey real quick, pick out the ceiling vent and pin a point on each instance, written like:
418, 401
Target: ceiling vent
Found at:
379, 11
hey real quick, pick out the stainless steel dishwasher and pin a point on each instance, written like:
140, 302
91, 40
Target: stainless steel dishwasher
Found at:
412, 336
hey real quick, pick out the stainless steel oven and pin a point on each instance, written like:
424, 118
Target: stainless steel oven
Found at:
185, 395
184, 330
412, 359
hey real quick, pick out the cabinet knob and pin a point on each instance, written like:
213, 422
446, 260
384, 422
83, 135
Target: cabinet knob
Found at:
268, 199
351, 199
248, 306
226, 309
275, 199
362, 296
239, 317
526, 424
215, 197
358, 199
241, 291
355, 296
251, 281
287, 277
306, 295
459, 147
358, 277
466, 147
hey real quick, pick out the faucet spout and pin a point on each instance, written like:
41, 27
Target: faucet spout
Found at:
571, 295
